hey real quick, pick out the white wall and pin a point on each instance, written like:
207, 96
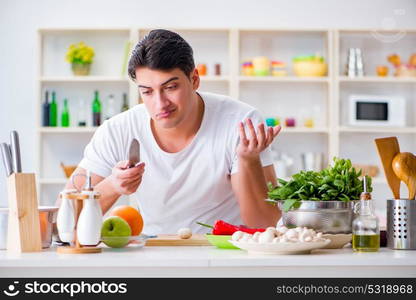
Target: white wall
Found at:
19, 20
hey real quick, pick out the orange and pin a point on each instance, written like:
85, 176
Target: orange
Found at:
131, 215
43, 221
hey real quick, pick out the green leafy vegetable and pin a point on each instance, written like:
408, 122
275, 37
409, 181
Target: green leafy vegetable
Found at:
340, 182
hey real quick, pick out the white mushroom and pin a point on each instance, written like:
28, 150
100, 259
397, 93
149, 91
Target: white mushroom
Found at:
237, 235
245, 237
256, 236
291, 233
266, 237
272, 230
184, 233
281, 229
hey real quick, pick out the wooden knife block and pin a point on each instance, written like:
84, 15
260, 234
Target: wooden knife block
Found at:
23, 233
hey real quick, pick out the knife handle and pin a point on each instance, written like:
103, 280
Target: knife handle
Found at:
7, 159
15, 150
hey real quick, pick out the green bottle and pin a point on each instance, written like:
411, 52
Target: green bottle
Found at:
125, 105
53, 111
65, 115
96, 110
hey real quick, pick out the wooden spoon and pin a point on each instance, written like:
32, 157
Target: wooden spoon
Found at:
404, 166
388, 148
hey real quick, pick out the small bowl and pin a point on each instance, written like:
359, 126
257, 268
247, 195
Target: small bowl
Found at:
309, 68
47, 217
220, 241
68, 169
338, 241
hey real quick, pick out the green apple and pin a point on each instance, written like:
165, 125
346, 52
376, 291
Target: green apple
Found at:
115, 232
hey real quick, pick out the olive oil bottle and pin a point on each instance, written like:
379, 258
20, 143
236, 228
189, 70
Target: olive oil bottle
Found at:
365, 227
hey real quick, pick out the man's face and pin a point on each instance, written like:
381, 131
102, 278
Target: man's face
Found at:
167, 95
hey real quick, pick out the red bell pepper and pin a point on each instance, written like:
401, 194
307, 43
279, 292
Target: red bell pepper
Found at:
223, 228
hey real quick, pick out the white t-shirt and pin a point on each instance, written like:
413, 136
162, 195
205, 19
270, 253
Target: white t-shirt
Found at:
179, 189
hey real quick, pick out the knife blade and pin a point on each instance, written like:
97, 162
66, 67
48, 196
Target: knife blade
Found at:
134, 153
7, 158
15, 150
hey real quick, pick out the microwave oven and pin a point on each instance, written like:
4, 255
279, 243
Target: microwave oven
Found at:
371, 110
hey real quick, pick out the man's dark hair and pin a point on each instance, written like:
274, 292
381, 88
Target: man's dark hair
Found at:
162, 50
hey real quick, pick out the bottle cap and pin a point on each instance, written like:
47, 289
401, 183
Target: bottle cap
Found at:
365, 195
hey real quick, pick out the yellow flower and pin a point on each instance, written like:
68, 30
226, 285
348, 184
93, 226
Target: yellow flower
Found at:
80, 53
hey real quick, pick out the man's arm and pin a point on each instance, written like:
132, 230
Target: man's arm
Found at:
250, 188
122, 181
250, 182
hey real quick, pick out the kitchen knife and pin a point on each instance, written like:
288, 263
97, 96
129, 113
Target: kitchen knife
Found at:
7, 158
134, 153
15, 150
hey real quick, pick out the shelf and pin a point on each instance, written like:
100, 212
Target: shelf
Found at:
214, 78
65, 30
84, 79
283, 79
379, 129
389, 79
51, 181
304, 130
67, 129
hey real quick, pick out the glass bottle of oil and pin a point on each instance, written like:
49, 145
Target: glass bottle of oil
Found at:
365, 227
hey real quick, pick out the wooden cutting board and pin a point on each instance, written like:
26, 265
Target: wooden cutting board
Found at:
175, 240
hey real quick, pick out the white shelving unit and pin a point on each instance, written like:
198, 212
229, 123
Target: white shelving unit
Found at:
357, 143
59, 144
273, 96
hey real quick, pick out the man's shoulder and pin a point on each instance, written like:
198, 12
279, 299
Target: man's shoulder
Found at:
226, 105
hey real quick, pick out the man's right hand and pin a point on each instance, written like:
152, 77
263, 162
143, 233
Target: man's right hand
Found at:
124, 180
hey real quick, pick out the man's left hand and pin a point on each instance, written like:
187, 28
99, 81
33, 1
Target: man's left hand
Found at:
251, 147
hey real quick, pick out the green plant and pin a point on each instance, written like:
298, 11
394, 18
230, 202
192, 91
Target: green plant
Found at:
80, 54
339, 182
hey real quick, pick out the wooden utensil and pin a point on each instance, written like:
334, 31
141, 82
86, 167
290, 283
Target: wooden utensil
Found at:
404, 166
175, 240
388, 148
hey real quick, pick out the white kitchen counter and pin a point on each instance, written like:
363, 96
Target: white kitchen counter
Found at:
207, 261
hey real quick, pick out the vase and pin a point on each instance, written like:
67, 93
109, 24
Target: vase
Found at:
81, 69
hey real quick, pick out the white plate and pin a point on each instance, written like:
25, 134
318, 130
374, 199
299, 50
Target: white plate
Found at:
338, 241
281, 248
136, 241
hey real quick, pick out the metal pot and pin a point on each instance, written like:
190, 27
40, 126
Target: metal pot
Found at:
47, 217
325, 216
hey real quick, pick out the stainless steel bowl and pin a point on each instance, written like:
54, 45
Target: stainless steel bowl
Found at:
47, 217
325, 216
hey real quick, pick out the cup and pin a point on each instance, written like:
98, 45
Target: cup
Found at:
382, 71
312, 161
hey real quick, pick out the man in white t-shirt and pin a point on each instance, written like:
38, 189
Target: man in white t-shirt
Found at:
204, 156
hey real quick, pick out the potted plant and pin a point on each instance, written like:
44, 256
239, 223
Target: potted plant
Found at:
320, 200
80, 56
